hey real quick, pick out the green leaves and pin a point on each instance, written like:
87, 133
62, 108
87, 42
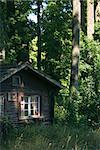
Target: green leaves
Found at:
89, 80
19, 31
19, 36
56, 38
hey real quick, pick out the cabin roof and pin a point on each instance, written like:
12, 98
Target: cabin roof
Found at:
6, 71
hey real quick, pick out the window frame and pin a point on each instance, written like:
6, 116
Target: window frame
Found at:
29, 109
12, 96
14, 78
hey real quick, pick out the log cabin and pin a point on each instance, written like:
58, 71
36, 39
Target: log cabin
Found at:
26, 94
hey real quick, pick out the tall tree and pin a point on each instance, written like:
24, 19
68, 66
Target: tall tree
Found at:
56, 37
10, 14
2, 24
90, 18
97, 20
89, 70
39, 3
2, 30
83, 16
75, 45
19, 30
97, 11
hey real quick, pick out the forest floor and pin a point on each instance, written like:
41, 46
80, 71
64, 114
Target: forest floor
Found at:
56, 137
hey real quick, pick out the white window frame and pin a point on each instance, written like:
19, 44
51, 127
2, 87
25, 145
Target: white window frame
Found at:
31, 100
14, 78
2, 55
12, 96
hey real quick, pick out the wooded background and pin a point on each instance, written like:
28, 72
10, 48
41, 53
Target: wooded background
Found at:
64, 43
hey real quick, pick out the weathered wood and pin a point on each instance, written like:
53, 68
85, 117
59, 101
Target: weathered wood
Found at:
30, 85
11, 71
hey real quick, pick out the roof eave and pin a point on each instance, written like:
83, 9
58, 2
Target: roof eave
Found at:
50, 80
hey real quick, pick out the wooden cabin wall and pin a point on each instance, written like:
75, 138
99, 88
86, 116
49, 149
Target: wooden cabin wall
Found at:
30, 85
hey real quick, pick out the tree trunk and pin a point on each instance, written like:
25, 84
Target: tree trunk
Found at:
90, 18
2, 31
2, 26
83, 16
10, 13
39, 36
75, 45
97, 12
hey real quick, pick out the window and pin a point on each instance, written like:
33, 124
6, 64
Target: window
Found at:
16, 81
1, 104
2, 54
1, 57
12, 96
30, 106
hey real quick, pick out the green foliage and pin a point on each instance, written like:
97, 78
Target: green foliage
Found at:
19, 30
89, 81
7, 130
33, 53
60, 113
56, 38
97, 31
18, 35
83, 107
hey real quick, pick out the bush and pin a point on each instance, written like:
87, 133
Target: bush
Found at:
7, 130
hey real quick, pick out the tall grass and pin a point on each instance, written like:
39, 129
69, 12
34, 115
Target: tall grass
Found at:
55, 137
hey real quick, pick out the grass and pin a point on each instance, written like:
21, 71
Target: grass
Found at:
56, 137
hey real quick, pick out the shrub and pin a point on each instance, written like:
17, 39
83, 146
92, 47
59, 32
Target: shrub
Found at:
7, 129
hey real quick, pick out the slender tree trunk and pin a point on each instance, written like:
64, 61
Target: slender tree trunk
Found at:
10, 13
90, 18
2, 26
2, 31
97, 12
39, 36
83, 16
75, 45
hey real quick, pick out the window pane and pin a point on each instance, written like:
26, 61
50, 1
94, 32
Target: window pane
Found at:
26, 99
26, 106
10, 96
36, 105
32, 99
36, 99
22, 113
36, 112
32, 106
32, 112
16, 80
26, 113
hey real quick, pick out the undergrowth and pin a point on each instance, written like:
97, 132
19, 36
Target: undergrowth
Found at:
54, 137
